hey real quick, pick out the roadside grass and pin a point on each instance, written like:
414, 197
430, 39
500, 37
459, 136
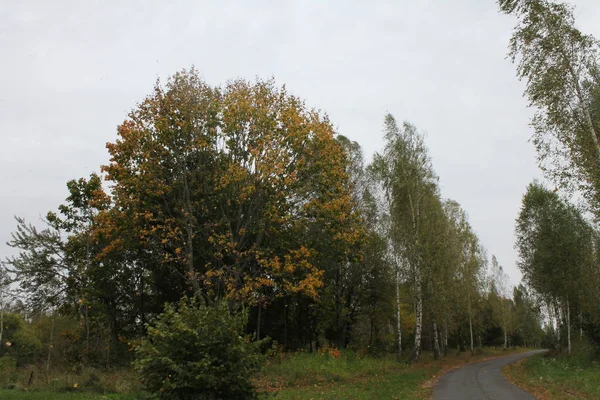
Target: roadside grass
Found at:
33, 383
45, 395
351, 376
326, 375
555, 376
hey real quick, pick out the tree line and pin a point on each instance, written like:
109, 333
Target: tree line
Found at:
557, 235
248, 203
242, 193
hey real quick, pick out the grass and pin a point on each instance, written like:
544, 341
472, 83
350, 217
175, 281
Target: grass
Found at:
26, 395
349, 376
34, 382
327, 375
556, 376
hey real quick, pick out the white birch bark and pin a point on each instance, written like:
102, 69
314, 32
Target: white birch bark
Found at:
471, 327
568, 327
436, 343
1, 315
418, 320
398, 324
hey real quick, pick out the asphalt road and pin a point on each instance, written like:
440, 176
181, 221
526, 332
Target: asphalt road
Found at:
482, 381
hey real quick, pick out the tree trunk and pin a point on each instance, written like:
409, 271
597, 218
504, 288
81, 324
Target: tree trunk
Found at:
142, 305
418, 322
339, 308
1, 315
568, 327
398, 325
471, 327
461, 341
586, 112
87, 332
189, 231
109, 345
190, 258
557, 317
442, 343
258, 323
50, 345
580, 325
285, 323
436, 343
445, 339
505, 338
582, 101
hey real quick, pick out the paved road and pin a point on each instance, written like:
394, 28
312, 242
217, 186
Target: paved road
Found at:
482, 381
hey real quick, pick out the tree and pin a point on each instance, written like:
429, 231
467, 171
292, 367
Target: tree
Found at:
469, 261
501, 303
528, 317
240, 192
560, 67
410, 185
554, 244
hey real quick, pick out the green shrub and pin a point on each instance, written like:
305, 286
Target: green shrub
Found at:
26, 346
198, 352
8, 368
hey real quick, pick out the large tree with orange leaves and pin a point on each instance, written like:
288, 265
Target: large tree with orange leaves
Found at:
228, 189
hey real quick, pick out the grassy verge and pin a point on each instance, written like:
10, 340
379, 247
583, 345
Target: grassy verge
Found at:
558, 377
329, 375
34, 382
348, 376
26, 395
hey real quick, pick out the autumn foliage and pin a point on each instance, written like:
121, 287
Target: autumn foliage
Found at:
222, 187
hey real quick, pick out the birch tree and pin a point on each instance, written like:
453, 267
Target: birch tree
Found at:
410, 183
470, 261
500, 286
554, 243
559, 65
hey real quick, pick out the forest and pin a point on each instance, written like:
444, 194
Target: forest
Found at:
233, 224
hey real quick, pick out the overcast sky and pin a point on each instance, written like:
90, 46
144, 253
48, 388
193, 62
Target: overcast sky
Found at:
71, 70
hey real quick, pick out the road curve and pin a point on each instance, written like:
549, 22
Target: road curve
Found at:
482, 381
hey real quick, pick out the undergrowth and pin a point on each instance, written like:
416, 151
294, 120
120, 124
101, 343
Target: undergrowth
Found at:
557, 376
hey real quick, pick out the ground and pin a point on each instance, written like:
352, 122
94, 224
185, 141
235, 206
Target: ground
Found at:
310, 376
325, 375
559, 377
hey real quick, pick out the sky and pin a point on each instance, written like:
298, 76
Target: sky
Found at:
70, 71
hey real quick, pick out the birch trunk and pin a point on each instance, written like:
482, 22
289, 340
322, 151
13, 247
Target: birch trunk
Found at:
50, 345
87, 332
575, 76
398, 324
568, 327
586, 112
505, 338
557, 317
436, 343
418, 321
445, 339
580, 325
471, 327
1, 316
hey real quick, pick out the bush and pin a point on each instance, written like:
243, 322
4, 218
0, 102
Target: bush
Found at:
25, 347
198, 352
8, 368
